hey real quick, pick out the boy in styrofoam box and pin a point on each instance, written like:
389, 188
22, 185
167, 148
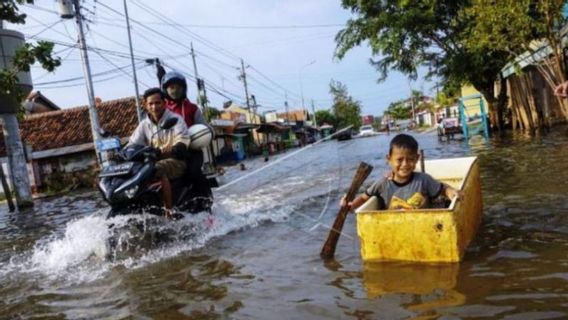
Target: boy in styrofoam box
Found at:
404, 188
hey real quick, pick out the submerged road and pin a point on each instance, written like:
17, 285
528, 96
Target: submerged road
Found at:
260, 257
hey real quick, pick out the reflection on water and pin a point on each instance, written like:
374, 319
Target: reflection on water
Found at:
394, 277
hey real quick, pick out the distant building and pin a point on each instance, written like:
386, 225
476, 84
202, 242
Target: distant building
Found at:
368, 119
36, 103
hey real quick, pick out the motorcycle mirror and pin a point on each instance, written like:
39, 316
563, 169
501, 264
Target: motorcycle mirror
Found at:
103, 132
168, 124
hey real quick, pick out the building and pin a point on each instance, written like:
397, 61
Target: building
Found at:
36, 102
368, 119
59, 144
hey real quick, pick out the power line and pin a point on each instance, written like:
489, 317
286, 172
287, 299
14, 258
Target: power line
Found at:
183, 31
48, 27
272, 81
208, 84
54, 30
261, 27
125, 72
33, 6
103, 73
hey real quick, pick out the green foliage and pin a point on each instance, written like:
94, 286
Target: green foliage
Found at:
212, 113
25, 56
517, 26
377, 122
346, 110
430, 33
512, 25
325, 116
9, 11
399, 110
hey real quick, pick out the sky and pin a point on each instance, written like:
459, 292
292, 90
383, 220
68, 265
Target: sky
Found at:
287, 48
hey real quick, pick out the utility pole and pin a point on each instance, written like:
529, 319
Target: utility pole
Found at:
201, 94
314, 112
301, 85
244, 78
411, 100
87, 72
412, 104
286, 106
196, 74
12, 139
136, 93
254, 106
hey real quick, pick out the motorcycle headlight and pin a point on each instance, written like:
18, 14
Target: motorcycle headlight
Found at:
131, 192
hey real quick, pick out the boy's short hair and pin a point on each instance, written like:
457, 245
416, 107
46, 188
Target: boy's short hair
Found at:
153, 91
404, 141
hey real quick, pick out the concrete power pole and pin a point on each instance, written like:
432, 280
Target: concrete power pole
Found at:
87, 72
196, 74
314, 111
244, 78
201, 92
14, 147
136, 93
17, 160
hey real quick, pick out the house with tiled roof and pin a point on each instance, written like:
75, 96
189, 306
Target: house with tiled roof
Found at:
60, 143
36, 102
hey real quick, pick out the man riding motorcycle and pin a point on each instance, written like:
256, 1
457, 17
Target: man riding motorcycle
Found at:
172, 143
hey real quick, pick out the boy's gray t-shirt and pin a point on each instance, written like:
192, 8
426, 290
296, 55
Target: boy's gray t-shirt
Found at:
413, 194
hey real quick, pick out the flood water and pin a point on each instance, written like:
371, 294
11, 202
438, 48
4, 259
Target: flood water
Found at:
259, 259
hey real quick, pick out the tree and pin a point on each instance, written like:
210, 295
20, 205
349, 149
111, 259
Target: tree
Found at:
325, 116
520, 26
377, 122
448, 96
25, 56
410, 34
346, 110
399, 110
212, 113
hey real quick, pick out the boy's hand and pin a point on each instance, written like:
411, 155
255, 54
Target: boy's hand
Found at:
344, 204
454, 193
562, 89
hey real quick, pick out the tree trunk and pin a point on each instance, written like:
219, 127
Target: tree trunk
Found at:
519, 106
17, 160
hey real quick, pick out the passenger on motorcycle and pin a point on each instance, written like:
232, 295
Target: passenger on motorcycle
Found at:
174, 87
172, 143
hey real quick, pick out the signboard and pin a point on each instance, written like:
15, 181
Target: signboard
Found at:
108, 144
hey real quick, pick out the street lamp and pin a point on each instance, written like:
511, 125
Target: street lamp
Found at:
301, 86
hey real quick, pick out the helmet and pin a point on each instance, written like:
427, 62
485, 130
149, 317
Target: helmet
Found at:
173, 77
200, 136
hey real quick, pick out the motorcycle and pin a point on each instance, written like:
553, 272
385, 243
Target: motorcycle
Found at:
127, 182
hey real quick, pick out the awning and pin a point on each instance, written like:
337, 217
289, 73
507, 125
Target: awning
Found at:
272, 128
245, 127
230, 135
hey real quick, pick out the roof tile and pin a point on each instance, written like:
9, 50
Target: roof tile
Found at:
69, 127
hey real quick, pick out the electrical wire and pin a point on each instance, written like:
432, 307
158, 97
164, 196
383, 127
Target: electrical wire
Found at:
103, 73
205, 26
183, 31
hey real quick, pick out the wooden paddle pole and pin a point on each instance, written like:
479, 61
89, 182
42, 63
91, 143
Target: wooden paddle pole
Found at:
328, 249
422, 161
